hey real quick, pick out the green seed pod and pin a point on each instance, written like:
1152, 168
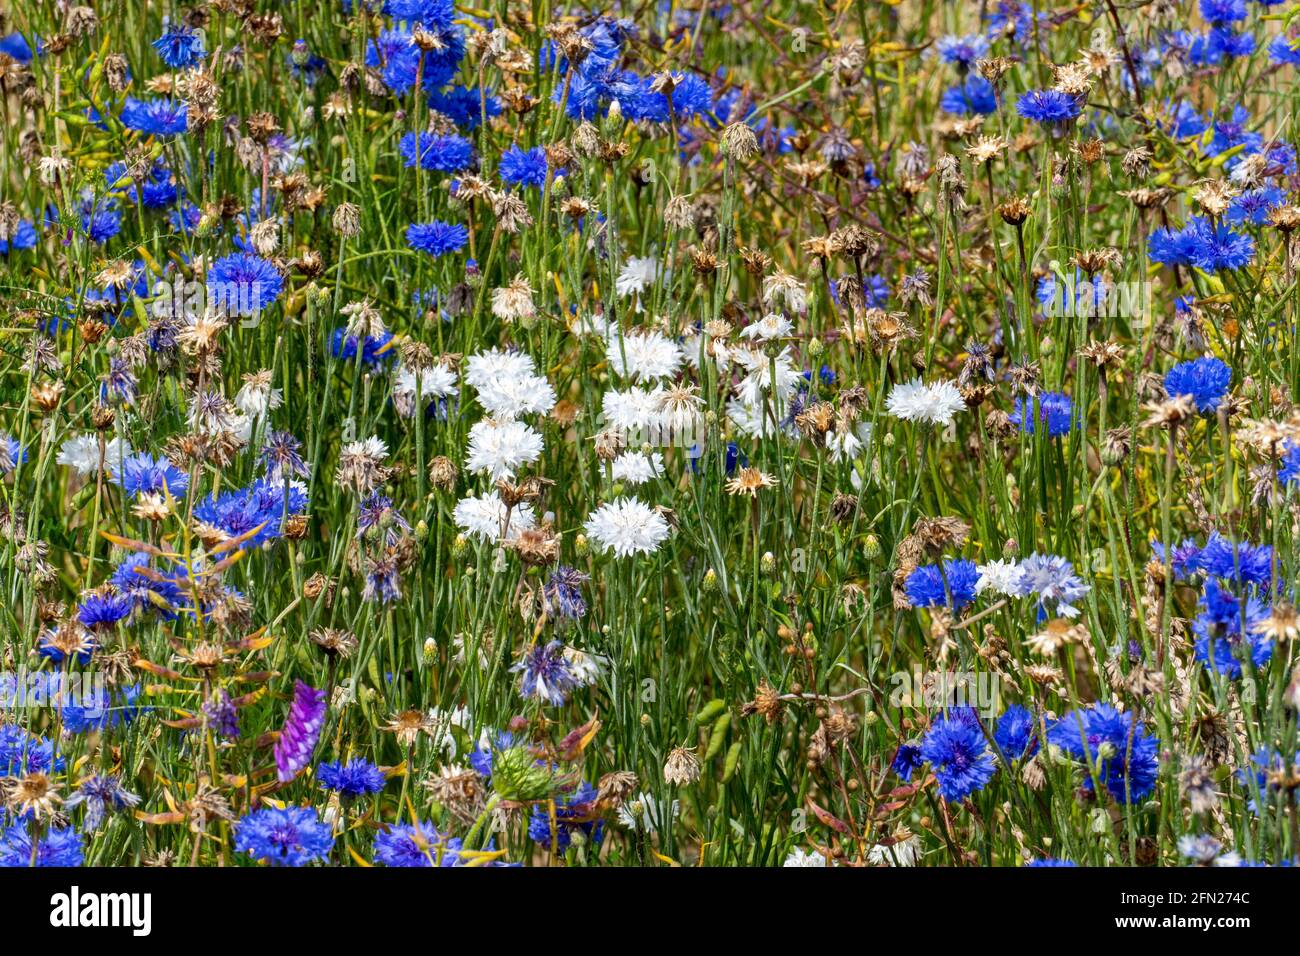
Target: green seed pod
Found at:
718, 737
731, 762
709, 711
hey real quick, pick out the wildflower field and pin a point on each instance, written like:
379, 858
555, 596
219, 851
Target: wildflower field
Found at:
666, 433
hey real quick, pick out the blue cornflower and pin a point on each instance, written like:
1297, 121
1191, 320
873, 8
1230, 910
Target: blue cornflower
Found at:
1082, 296
161, 117
142, 474
1199, 243
1223, 11
243, 284
101, 794
58, 846
1254, 205
1221, 640
927, 586
1182, 120
376, 512
1239, 562
691, 96
446, 154
11, 453
1215, 246
1284, 49
1103, 736
255, 514
282, 458
1049, 861
962, 51
521, 167
546, 674
16, 47
1290, 470
562, 594
1255, 776
100, 710
957, 752
293, 836
100, 222
430, 13
23, 753
1184, 559
375, 351
436, 238
1053, 409
1052, 579
1015, 733
1048, 106
24, 237
303, 63
574, 813
464, 105
413, 845
383, 580
976, 95
99, 612
180, 47
136, 579
907, 760
481, 758
356, 778
1205, 380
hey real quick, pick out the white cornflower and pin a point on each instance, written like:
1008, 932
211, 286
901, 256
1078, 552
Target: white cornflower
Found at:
783, 289
513, 301
800, 857
778, 375
639, 273
81, 454
485, 517
643, 355
636, 468
589, 323
584, 667
903, 853
933, 404
643, 812
434, 383
361, 465
843, 444
718, 351
441, 723
634, 410
750, 420
257, 396
500, 448
771, 326
486, 368
627, 526
682, 410
524, 394
1000, 577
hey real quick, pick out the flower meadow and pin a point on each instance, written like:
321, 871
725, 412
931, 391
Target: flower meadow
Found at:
679, 433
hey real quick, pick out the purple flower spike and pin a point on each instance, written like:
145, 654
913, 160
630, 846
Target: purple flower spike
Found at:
301, 731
